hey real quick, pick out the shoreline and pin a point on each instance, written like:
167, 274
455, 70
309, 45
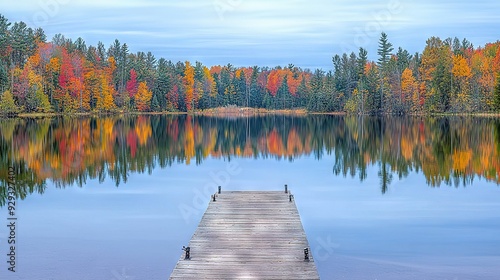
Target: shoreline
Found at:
237, 112
248, 112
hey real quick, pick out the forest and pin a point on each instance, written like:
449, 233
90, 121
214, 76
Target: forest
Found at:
67, 76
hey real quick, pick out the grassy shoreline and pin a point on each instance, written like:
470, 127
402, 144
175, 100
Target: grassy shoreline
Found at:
236, 112
248, 112
90, 114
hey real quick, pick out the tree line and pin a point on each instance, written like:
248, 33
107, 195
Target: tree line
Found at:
66, 76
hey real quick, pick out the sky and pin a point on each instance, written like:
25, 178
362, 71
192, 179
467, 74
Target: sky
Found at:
306, 33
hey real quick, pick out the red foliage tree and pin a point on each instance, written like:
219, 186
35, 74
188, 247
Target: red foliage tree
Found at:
132, 84
66, 73
173, 98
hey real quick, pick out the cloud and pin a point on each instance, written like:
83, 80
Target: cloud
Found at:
268, 32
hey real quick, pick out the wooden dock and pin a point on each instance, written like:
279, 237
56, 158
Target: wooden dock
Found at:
248, 235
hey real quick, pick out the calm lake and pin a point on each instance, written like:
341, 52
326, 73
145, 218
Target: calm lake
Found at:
117, 198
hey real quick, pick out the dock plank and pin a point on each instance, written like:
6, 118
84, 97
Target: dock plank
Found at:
248, 235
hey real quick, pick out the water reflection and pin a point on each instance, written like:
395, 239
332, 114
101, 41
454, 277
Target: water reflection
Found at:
452, 151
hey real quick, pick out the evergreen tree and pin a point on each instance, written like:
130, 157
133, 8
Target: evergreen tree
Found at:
442, 81
361, 88
155, 104
4, 56
497, 94
403, 60
163, 84
362, 60
4, 76
384, 51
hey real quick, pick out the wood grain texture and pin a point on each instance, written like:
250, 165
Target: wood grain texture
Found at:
248, 235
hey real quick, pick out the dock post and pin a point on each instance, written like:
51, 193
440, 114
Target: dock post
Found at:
188, 252
286, 188
219, 189
306, 254
213, 197
291, 197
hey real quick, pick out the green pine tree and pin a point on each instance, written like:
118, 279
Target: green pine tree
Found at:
362, 60
496, 94
384, 51
155, 105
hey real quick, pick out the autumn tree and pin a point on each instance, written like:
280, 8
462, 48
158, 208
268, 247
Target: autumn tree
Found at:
105, 101
52, 76
273, 82
66, 71
7, 104
188, 81
132, 86
173, 99
36, 100
104, 98
409, 90
76, 86
92, 88
209, 89
461, 72
21, 84
247, 74
435, 75
143, 97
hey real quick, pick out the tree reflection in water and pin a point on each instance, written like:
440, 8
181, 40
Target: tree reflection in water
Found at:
69, 151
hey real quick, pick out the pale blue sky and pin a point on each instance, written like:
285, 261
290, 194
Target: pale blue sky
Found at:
260, 32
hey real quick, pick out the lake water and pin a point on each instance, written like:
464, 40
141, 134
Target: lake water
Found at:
117, 198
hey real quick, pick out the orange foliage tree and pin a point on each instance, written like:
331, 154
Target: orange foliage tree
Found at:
188, 81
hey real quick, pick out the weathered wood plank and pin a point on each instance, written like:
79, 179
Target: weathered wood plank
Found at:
248, 235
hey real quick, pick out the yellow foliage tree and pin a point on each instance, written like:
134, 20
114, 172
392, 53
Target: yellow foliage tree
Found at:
409, 89
143, 97
461, 67
7, 105
462, 71
210, 86
105, 97
189, 85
